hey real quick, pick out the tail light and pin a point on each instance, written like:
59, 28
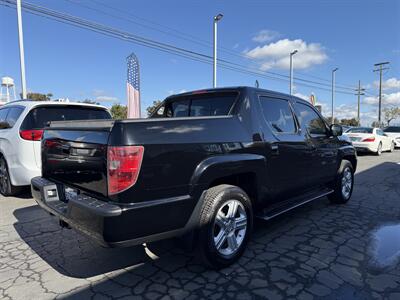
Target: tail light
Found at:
31, 135
123, 167
370, 139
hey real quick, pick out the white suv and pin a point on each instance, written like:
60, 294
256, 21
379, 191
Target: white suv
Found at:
21, 130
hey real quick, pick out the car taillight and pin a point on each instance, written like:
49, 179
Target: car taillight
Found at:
370, 139
31, 135
123, 167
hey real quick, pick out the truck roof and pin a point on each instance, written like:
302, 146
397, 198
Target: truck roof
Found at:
237, 88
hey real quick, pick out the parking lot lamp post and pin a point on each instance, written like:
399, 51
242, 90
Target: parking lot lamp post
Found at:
333, 93
216, 19
21, 49
291, 71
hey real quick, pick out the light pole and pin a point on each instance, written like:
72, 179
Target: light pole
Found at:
21, 49
291, 71
333, 92
216, 19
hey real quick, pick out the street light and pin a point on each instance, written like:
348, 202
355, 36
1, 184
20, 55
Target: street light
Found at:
21, 49
216, 19
333, 91
291, 71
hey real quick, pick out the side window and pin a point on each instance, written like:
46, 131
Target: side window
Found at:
3, 115
278, 115
310, 120
13, 115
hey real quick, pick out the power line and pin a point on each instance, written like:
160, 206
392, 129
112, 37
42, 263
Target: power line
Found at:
126, 36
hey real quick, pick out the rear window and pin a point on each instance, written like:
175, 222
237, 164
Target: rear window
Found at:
360, 130
200, 105
40, 117
392, 129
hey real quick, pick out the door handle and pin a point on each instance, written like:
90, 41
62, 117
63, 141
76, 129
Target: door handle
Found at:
274, 149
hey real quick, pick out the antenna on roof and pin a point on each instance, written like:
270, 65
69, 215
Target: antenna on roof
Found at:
257, 84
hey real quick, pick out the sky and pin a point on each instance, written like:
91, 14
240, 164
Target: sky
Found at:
75, 63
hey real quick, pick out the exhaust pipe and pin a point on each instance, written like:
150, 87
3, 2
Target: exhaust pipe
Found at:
64, 224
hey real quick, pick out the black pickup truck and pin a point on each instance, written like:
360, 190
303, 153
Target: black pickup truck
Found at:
204, 164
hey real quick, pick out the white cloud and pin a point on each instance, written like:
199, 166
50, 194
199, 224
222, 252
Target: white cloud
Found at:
388, 99
266, 35
302, 96
106, 99
346, 111
276, 55
389, 84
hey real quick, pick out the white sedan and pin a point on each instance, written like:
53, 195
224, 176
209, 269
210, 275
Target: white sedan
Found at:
393, 132
370, 139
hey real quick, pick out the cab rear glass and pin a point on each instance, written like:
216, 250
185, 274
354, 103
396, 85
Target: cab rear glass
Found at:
198, 105
40, 117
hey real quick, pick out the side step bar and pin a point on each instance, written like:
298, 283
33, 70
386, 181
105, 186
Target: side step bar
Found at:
268, 214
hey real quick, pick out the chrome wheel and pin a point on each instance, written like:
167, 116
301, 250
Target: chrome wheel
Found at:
230, 227
347, 182
392, 147
3, 177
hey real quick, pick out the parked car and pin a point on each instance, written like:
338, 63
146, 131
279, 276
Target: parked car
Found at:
394, 133
204, 165
368, 139
21, 129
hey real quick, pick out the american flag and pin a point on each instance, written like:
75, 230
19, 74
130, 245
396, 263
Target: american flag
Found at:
133, 87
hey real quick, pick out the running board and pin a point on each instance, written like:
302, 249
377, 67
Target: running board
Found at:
268, 214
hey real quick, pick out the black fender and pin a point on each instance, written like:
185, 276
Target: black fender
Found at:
219, 166
349, 153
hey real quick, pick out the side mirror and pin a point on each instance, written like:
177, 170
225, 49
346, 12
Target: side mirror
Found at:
4, 125
336, 130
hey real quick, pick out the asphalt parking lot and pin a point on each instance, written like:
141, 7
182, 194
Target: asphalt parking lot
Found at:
317, 251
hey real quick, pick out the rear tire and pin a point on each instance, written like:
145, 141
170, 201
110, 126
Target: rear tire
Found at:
226, 222
6, 187
392, 146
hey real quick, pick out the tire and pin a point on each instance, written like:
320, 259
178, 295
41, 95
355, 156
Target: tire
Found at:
230, 231
6, 187
344, 183
392, 146
379, 150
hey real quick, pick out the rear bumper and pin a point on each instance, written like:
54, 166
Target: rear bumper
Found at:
117, 225
365, 147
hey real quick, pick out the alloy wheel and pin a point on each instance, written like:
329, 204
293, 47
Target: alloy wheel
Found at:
347, 182
230, 227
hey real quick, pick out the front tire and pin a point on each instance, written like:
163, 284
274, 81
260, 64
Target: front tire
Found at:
6, 187
343, 184
226, 222
379, 150
392, 146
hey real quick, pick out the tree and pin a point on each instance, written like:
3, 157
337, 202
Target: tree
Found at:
119, 111
329, 119
38, 96
349, 122
88, 101
391, 113
151, 109
375, 124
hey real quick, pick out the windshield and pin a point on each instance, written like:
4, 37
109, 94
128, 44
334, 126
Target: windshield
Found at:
360, 130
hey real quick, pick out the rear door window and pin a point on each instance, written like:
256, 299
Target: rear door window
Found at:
278, 114
41, 116
13, 115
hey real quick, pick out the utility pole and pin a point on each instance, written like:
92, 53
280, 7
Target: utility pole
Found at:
381, 68
333, 93
359, 93
21, 49
216, 19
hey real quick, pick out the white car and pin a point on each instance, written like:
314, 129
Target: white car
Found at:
370, 139
393, 132
21, 130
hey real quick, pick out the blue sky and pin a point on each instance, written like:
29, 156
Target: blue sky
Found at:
78, 64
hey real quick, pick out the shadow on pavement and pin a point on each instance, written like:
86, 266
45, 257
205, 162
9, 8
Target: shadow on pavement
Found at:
285, 257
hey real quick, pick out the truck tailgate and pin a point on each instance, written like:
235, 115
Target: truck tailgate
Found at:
77, 156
